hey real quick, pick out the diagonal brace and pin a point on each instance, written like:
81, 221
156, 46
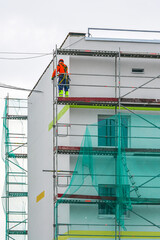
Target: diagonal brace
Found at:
140, 86
144, 218
141, 117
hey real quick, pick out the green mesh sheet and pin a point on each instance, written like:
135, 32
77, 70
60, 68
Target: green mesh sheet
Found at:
118, 158
5, 135
15, 170
92, 173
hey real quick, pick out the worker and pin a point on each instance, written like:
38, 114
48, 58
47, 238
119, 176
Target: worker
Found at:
63, 81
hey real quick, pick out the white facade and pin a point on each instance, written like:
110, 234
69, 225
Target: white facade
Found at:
40, 158
92, 71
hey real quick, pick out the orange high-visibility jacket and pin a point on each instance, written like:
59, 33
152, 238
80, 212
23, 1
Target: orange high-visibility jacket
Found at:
61, 68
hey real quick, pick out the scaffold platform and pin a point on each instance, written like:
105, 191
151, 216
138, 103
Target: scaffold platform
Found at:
108, 101
101, 53
96, 199
105, 150
17, 117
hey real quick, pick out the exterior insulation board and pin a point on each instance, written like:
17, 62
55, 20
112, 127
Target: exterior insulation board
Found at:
40, 157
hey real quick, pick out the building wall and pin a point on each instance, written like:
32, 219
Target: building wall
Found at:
100, 86
40, 139
141, 166
40, 157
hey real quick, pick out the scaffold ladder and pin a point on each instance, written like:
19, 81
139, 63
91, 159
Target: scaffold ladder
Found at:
131, 178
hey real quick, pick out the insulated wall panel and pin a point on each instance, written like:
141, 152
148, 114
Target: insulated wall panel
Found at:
40, 157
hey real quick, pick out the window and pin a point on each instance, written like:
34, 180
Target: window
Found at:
105, 209
109, 191
107, 131
137, 70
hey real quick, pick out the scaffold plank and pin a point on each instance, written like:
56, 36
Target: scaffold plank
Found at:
17, 117
86, 197
16, 155
17, 232
101, 53
87, 101
17, 194
140, 55
140, 100
89, 53
108, 101
103, 150
97, 199
78, 150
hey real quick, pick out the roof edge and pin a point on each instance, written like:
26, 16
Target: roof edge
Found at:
74, 34
69, 34
128, 40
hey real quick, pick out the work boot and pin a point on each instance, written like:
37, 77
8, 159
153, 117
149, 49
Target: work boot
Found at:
66, 94
60, 93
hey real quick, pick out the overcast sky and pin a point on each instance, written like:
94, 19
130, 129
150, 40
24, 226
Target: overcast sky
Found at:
35, 26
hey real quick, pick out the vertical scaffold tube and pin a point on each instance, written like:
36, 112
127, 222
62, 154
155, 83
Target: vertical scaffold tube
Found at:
54, 145
53, 156
6, 166
116, 135
119, 79
119, 177
116, 82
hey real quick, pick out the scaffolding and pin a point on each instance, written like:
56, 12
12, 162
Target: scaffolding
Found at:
14, 155
129, 184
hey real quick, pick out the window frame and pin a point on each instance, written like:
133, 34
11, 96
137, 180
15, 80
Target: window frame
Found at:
110, 215
102, 117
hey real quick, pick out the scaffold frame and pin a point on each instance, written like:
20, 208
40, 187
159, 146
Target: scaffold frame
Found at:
118, 102
15, 195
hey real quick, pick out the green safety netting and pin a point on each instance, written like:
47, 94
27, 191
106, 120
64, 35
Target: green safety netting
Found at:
94, 171
5, 135
13, 136
118, 156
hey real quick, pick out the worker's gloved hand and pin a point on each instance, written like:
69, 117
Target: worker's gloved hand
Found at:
69, 79
52, 78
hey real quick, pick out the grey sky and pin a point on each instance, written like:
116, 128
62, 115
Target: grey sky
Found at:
37, 25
